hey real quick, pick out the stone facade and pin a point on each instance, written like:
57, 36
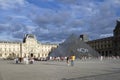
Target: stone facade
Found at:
109, 46
104, 46
29, 46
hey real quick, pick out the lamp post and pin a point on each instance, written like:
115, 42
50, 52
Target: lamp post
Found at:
21, 50
20, 57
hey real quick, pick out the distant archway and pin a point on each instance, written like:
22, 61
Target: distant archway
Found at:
31, 55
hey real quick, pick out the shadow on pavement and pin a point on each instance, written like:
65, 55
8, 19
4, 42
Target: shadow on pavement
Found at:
96, 77
54, 64
1, 78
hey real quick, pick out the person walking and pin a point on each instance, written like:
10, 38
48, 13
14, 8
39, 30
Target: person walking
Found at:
68, 61
72, 60
16, 60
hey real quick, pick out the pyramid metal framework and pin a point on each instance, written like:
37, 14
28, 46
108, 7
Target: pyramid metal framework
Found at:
74, 46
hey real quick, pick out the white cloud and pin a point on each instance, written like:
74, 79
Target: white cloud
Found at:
7, 4
19, 16
105, 35
116, 1
72, 16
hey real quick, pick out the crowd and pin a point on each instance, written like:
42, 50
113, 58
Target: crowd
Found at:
69, 60
25, 60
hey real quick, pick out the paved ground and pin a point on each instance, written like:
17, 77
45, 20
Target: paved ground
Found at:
53, 70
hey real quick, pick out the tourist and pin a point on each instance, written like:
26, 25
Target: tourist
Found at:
16, 60
31, 61
68, 61
72, 60
20, 59
26, 60
101, 58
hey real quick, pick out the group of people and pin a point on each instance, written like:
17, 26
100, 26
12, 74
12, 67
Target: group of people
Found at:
25, 60
70, 59
30, 60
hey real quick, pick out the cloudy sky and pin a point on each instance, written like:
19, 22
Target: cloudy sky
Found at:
55, 20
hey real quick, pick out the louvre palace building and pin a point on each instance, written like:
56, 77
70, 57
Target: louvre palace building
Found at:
109, 46
29, 46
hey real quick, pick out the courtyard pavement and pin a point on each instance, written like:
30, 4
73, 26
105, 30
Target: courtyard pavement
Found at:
58, 70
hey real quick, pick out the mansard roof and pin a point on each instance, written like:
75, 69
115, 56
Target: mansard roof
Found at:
16, 42
102, 39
